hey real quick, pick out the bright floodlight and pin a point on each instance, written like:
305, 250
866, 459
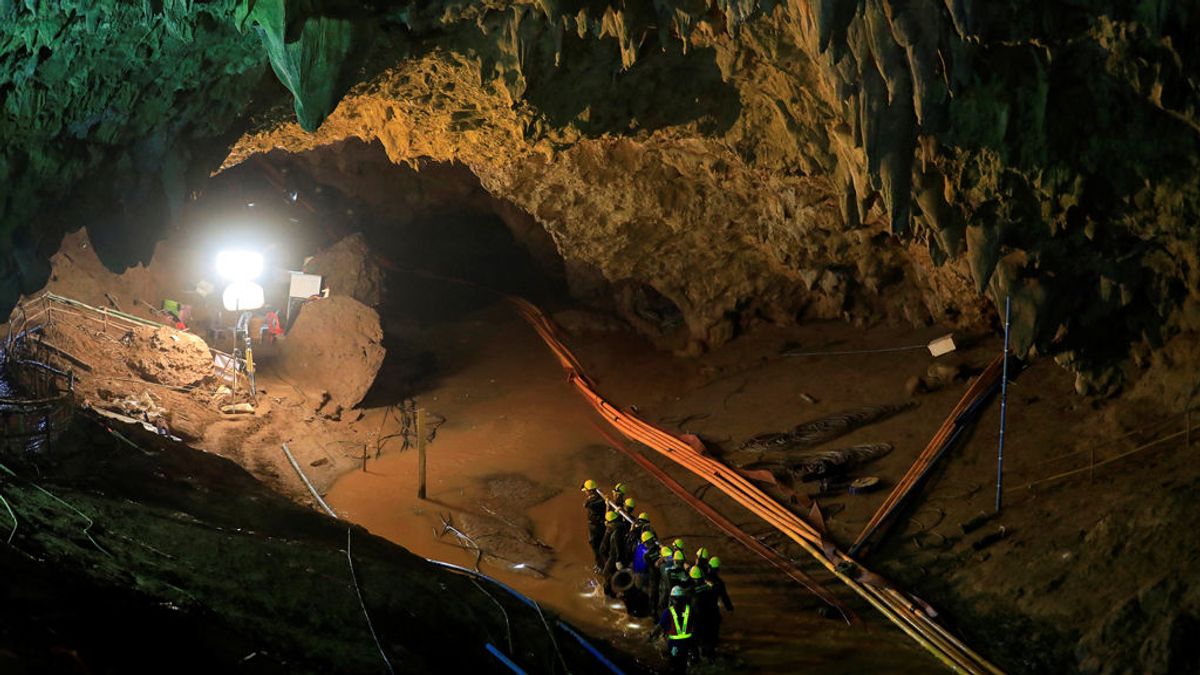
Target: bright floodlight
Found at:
243, 296
239, 265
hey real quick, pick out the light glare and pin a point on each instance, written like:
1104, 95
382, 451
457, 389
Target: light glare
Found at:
239, 265
243, 296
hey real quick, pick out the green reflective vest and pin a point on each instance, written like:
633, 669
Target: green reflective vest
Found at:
681, 631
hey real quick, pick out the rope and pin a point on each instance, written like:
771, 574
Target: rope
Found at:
1090, 467
1113, 440
358, 591
884, 350
503, 612
471, 573
81, 514
553, 640
10, 515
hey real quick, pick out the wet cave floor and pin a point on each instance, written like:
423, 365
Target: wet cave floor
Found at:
504, 468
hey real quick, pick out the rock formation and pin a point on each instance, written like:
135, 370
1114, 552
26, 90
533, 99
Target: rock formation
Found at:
334, 346
348, 269
742, 159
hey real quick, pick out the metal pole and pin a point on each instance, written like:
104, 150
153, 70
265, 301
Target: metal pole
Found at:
1003, 405
421, 452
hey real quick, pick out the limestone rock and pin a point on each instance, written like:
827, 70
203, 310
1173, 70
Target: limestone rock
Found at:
349, 269
334, 346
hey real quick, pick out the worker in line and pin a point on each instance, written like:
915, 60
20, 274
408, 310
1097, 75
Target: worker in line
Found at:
695, 578
637, 603
643, 521
675, 623
612, 548
664, 562
714, 578
627, 546
638, 527
595, 507
650, 579
702, 559
676, 575
618, 494
678, 545
705, 596
640, 562
666, 579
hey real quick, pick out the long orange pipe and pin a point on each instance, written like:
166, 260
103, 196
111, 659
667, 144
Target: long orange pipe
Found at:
729, 527
904, 487
906, 614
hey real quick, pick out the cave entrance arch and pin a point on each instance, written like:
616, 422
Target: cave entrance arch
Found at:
429, 225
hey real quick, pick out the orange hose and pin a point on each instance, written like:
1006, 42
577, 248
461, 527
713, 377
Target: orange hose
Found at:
892, 603
889, 601
929, 455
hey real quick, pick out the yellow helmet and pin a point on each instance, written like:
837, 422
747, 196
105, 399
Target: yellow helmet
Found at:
696, 573
644, 516
588, 484
619, 488
701, 553
647, 536
629, 503
678, 556
715, 563
610, 516
665, 551
678, 544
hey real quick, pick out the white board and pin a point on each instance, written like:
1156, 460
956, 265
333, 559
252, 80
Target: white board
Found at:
304, 285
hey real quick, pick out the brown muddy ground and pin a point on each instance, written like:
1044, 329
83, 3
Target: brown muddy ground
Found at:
1023, 601
516, 443
1096, 559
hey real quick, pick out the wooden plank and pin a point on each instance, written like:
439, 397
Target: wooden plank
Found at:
421, 452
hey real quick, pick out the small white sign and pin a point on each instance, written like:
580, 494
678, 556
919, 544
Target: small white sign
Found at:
942, 345
304, 285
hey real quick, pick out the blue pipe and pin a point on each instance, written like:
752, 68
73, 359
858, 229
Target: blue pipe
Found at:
1003, 406
504, 659
591, 649
612, 667
465, 570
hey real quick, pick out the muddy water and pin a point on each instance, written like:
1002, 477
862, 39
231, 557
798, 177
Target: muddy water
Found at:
514, 447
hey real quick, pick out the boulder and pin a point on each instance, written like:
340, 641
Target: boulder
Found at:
334, 347
349, 269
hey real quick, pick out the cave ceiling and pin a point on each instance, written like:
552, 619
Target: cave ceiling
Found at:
867, 160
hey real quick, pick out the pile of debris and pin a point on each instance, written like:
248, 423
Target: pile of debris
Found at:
790, 457
154, 375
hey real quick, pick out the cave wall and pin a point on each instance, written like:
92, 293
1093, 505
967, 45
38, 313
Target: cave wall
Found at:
110, 109
901, 160
869, 160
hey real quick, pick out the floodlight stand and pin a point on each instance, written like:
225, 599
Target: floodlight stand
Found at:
243, 331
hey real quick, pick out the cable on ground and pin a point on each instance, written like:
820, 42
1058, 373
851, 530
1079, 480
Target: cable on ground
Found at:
363, 605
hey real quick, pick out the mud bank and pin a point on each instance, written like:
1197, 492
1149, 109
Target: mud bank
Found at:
210, 571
